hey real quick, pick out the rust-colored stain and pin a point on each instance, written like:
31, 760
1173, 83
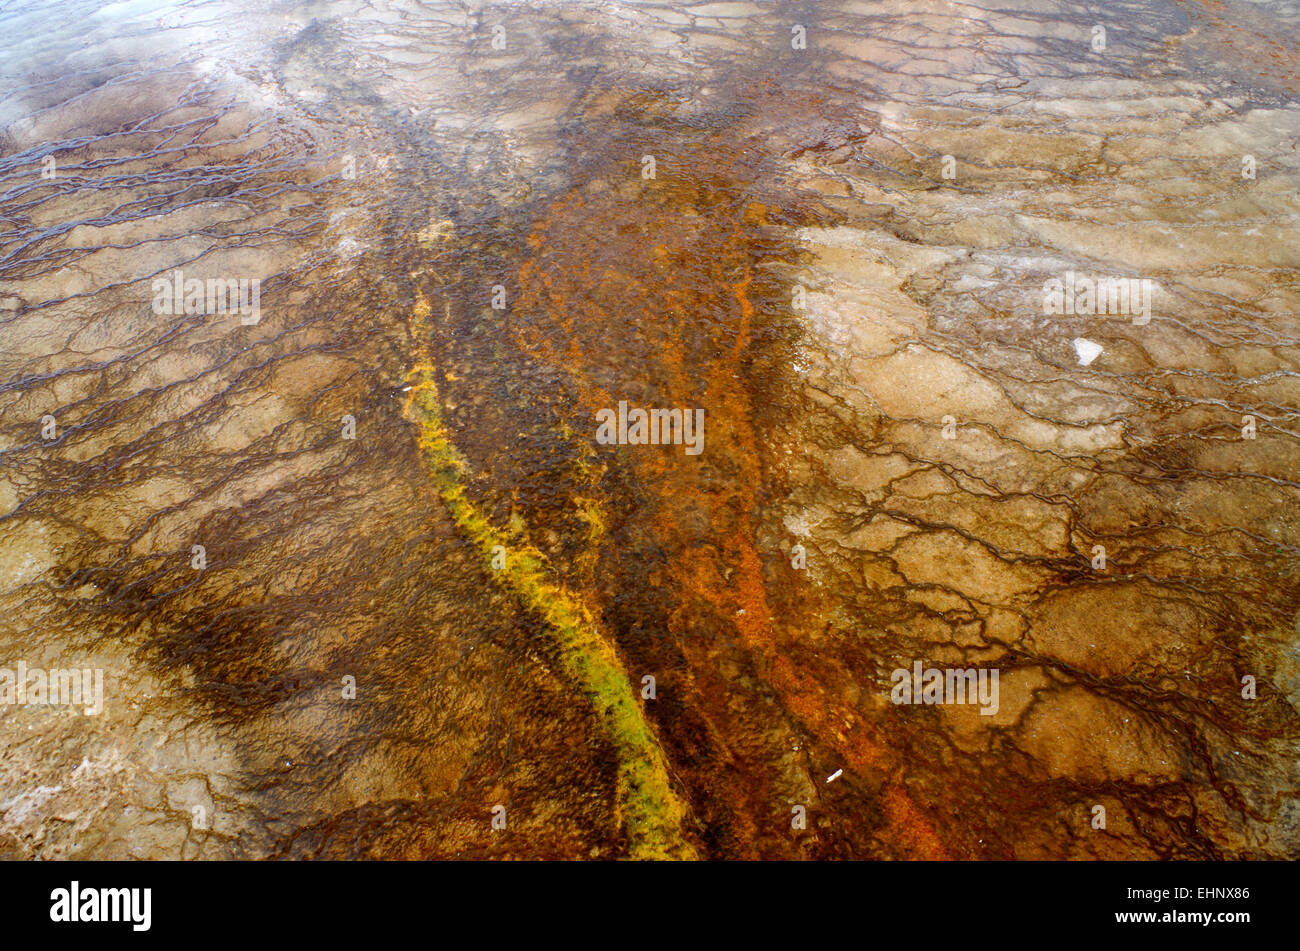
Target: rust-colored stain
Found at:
641, 320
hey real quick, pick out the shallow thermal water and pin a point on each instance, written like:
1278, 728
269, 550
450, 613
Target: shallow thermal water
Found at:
840, 258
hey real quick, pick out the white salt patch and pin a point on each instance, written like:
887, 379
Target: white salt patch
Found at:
1087, 350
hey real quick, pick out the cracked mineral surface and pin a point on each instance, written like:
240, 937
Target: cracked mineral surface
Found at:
357, 570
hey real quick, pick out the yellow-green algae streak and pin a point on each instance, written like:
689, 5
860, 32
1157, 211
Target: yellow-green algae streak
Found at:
650, 811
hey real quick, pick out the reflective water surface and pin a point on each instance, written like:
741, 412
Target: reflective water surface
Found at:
840, 258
